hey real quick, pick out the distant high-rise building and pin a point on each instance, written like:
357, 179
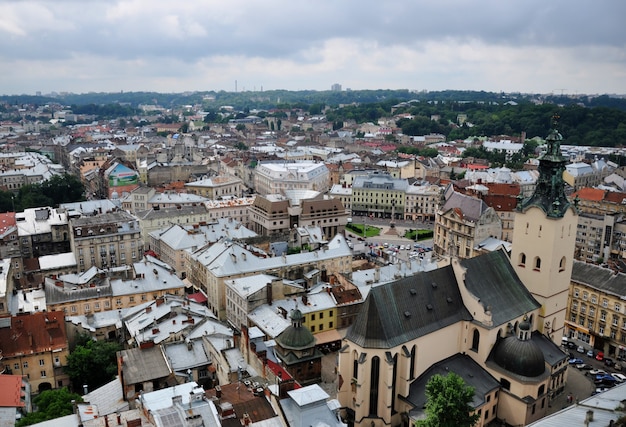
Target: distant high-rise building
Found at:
336, 87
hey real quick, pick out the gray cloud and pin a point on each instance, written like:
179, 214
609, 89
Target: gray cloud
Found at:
377, 44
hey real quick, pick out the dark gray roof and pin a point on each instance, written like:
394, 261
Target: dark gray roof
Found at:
140, 365
491, 278
471, 207
522, 357
602, 279
401, 311
462, 365
552, 353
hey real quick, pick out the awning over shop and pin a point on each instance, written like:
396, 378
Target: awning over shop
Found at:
326, 337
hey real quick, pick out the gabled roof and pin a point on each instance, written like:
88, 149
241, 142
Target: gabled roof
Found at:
409, 308
602, 279
140, 365
415, 306
591, 194
492, 279
33, 333
471, 207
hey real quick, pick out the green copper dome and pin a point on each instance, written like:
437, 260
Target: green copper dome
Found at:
296, 337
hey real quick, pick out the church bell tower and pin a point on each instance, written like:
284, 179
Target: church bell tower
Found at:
544, 238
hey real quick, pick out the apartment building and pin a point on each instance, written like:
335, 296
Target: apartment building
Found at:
344, 194
236, 208
594, 237
599, 202
216, 187
579, 175
211, 267
274, 177
35, 346
170, 243
422, 202
42, 231
106, 240
462, 223
157, 218
9, 238
269, 215
123, 287
137, 200
379, 195
596, 310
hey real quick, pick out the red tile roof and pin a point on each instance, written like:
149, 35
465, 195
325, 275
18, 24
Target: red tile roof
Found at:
7, 220
615, 197
34, 333
12, 394
198, 297
591, 194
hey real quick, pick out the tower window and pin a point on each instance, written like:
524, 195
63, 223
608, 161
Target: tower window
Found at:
537, 263
562, 264
475, 340
522, 259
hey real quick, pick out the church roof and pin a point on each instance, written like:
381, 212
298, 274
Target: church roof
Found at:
491, 278
464, 366
522, 357
296, 336
401, 311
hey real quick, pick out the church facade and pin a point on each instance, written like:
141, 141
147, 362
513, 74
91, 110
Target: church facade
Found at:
495, 321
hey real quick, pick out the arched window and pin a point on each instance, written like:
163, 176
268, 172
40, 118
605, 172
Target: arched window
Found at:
542, 388
537, 263
475, 340
374, 379
522, 259
562, 264
412, 367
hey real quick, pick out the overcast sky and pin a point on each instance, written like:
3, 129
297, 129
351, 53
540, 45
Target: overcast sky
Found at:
539, 46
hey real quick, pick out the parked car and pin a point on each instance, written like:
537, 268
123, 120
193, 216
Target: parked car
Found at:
590, 353
600, 356
584, 367
597, 372
604, 379
575, 361
571, 345
608, 361
620, 378
599, 390
580, 349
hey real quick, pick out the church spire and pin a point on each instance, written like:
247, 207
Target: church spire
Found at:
549, 194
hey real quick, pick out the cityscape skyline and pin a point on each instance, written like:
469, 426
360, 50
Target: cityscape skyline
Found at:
161, 46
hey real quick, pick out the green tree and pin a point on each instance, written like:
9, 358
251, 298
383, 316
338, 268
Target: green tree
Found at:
50, 404
448, 403
93, 363
64, 188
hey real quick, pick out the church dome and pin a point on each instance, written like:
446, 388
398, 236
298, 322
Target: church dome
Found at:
522, 357
296, 337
